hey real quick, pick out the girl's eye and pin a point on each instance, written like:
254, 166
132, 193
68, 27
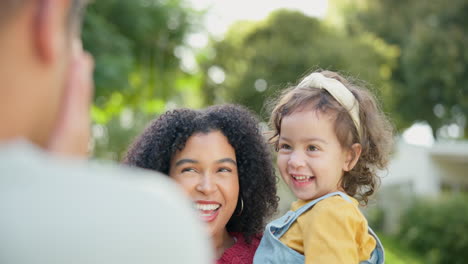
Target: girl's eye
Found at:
312, 148
284, 146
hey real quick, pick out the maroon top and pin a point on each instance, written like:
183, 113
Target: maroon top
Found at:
240, 252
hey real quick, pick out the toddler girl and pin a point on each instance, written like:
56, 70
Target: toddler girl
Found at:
331, 137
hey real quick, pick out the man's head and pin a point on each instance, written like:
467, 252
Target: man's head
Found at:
39, 43
8, 9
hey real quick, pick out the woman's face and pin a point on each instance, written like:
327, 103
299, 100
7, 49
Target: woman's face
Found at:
207, 170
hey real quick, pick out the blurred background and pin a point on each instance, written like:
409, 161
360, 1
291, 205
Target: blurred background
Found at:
156, 55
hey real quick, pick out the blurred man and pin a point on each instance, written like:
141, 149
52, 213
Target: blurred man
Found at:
55, 210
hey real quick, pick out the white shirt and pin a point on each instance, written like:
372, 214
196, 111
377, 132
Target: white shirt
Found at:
62, 211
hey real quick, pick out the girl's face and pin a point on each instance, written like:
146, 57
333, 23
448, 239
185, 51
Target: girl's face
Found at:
310, 158
207, 170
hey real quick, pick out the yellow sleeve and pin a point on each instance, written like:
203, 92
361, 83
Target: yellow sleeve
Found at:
332, 232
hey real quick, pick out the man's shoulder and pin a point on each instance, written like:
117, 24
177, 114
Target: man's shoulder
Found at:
100, 213
21, 157
24, 161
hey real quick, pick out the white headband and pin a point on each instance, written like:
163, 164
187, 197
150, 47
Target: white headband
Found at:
342, 94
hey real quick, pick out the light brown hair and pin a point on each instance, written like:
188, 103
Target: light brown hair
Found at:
377, 132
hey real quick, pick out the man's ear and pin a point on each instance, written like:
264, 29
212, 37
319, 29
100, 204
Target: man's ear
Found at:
352, 156
48, 27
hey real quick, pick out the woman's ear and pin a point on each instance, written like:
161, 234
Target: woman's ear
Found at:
352, 156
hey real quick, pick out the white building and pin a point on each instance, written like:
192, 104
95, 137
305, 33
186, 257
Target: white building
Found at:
421, 171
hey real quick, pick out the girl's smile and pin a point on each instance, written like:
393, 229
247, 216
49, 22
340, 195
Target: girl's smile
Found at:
302, 180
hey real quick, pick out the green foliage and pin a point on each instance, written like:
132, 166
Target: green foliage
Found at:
375, 217
113, 138
134, 43
395, 253
103, 40
135, 40
431, 79
437, 229
261, 58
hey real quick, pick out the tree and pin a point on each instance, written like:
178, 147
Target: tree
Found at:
260, 58
431, 77
137, 70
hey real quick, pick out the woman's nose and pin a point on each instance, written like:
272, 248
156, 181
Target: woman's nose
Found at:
206, 184
296, 160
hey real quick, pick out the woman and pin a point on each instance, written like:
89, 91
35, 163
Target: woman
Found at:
220, 159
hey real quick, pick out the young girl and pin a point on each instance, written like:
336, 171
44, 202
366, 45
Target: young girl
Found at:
331, 137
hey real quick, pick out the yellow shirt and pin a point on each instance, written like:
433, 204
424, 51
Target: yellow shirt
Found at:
333, 231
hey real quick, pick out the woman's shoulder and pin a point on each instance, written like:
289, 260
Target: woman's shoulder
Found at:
241, 252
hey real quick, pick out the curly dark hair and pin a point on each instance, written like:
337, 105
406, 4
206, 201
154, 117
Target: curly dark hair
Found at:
377, 132
156, 146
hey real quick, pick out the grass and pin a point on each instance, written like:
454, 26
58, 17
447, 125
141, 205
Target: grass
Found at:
395, 253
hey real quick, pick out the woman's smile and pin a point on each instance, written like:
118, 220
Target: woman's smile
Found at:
208, 210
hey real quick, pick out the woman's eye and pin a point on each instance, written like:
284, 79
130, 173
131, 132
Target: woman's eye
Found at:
312, 148
225, 170
188, 170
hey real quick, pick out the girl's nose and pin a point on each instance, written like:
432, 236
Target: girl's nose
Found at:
296, 160
206, 184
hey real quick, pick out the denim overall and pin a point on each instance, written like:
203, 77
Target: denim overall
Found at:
272, 250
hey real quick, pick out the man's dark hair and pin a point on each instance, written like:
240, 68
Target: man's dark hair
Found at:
9, 8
